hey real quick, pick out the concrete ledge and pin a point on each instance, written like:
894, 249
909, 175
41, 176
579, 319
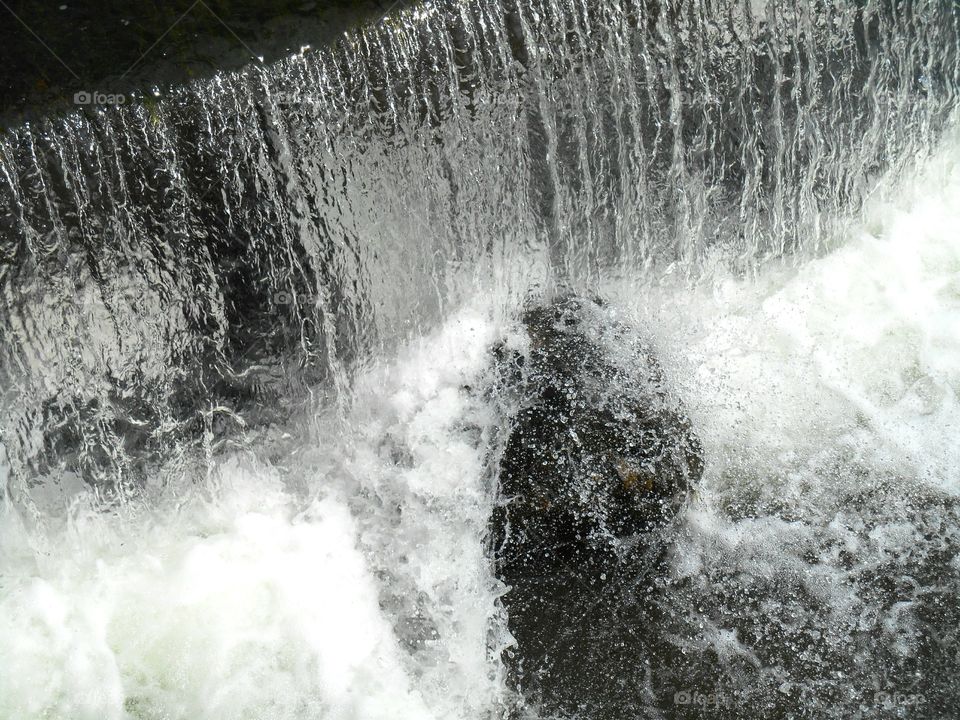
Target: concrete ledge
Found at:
50, 53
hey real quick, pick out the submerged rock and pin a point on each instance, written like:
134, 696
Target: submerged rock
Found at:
599, 457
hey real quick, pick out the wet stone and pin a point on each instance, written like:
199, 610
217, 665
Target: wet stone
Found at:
598, 460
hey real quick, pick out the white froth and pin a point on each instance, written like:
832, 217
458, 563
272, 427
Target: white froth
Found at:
245, 600
235, 607
851, 355
420, 453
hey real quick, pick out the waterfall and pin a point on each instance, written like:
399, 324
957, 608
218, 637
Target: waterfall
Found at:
304, 215
247, 263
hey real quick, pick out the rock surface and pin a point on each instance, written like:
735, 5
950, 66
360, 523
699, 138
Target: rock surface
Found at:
599, 457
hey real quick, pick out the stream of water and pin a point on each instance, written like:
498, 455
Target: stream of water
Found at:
245, 451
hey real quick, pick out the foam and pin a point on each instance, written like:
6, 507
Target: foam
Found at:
853, 353
241, 598
233, 607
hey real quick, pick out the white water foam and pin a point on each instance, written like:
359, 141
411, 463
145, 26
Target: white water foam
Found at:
854, 353
247, 599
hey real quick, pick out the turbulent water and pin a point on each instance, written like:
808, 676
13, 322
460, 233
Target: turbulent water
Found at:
247, 456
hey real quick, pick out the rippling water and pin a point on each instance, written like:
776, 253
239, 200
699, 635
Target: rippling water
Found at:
245, 450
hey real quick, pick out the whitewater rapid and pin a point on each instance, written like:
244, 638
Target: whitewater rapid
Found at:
347, 577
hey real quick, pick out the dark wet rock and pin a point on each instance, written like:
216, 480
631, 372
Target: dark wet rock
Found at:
597, 452
598, 461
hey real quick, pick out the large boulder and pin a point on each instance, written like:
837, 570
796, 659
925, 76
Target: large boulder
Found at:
599, 458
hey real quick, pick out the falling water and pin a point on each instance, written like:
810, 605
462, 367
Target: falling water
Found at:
246, 470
